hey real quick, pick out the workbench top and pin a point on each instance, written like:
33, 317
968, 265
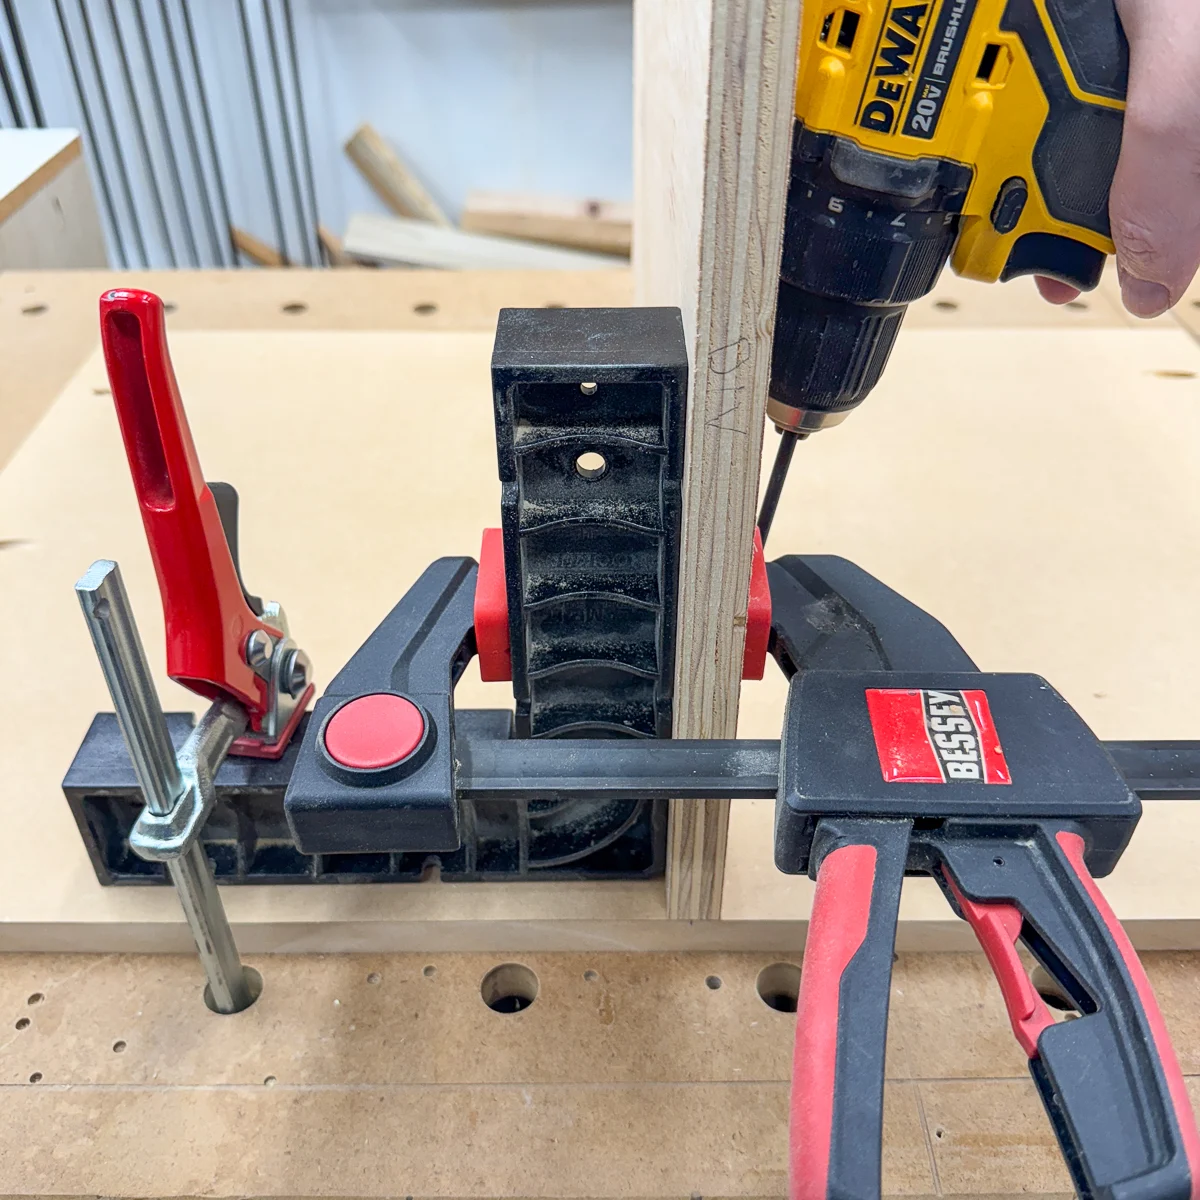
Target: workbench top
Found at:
1056, 449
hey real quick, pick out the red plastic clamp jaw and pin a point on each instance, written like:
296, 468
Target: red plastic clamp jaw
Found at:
491, 613
217, 646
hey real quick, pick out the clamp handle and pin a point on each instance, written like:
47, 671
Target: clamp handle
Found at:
208, 619
1109, 1080
836, 1112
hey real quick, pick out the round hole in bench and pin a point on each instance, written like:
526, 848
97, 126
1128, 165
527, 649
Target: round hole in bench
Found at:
509, 988
778, 986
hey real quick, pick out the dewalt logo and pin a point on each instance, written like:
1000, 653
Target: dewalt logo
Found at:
895, 66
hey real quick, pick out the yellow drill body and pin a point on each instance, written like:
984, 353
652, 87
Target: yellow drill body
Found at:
980, 132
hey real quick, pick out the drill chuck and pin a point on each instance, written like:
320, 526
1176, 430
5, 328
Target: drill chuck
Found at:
851, 266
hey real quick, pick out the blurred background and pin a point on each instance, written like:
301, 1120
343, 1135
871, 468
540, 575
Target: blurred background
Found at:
320, 132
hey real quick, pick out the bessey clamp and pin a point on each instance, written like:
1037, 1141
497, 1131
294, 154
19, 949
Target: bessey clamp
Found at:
221, 641
994, 786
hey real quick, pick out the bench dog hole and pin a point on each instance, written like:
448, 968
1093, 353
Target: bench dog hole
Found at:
509, 988
778, 986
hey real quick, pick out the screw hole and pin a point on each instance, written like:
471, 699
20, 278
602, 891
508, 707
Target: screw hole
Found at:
1173, 374
939, 1133
591, 465
591, 976
999, 862
36, 998
23, 1023
509, 988
946, 305
588, 388
119, 1047
1196, 303
33, 310
374, 977
1077, 305
712, 982
270, 1081
779, 986
294, 308
36, 1077
430, 971
425, 310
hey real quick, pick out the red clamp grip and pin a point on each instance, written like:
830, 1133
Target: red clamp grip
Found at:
208, 621
1109, 1080
836, 1113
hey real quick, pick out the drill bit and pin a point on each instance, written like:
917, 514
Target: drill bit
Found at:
770, 501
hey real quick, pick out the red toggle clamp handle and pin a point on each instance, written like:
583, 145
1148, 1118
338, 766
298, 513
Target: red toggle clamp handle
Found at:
217, 645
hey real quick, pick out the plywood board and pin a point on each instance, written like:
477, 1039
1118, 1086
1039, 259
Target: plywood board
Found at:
1062, 478
1014, 484
49, 321
30, 159
713, 104
377, 1075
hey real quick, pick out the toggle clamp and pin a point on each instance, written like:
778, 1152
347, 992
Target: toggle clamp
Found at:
222, 643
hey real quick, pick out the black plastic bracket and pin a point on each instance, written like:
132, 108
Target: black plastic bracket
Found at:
589, 436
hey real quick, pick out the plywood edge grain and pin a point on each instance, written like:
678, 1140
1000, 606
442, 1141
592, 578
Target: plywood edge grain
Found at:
713, 98
23, 192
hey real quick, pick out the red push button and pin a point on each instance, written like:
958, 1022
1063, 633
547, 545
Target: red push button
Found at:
373, 732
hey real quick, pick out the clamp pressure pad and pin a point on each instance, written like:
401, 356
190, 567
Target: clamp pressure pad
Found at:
938, 746
375, 772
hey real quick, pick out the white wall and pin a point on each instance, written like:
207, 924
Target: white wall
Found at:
511, 94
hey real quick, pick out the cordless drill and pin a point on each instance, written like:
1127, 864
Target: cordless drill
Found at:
981, 132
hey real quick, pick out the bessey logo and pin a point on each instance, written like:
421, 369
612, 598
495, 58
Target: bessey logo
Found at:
927, 736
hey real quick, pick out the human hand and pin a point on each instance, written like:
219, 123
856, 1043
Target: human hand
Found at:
1155, 202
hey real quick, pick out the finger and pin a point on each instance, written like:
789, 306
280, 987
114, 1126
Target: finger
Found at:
1056, 291
1154, 208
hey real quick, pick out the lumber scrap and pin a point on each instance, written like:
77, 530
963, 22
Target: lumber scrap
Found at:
419, 243
255, 249
602, 225
333, 249
392, 180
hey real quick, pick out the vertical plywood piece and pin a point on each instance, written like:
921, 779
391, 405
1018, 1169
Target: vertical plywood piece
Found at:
713, 85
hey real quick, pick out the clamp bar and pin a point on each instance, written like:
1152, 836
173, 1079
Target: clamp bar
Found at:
114, 633
596, 769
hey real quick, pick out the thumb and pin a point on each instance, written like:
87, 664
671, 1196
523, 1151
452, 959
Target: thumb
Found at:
1155, 201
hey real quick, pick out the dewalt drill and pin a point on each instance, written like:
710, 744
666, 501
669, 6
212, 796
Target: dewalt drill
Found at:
981, 132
